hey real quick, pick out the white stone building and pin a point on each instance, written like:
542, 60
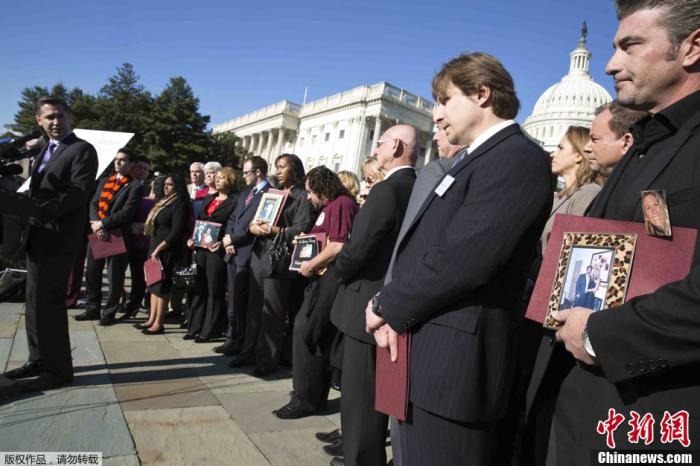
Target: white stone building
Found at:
338, 131
571, 101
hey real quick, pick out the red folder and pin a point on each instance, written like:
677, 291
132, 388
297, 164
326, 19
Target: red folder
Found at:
657, 261
112, 246
153, 270
391, 388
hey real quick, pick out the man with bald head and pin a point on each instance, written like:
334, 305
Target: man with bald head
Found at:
361, 266
611, 136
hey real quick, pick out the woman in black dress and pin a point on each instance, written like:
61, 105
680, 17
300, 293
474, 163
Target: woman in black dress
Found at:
208, 305
168, 224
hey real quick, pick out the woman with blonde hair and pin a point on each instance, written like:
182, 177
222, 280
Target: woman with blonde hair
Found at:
371, 174
581, 183
351, 183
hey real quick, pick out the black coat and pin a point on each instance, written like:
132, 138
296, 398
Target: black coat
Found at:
460, 273
238, 222
364, 259
122, 207
64, 188
221, 214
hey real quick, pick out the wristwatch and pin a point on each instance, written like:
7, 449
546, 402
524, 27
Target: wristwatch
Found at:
587, 342
376, 306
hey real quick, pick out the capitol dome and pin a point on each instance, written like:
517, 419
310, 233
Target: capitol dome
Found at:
571, 101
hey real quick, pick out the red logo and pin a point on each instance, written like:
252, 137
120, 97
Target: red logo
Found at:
609, 426
673, 428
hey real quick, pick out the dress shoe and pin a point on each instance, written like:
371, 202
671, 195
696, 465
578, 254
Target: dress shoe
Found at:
329, 437
295, 409
338, 461
229, 350
335, 448
240, 361
189, 336
260, 372
29, 369
127, 316
183, 325
202, 340
107, 320
147, 331
45, 381
88, 315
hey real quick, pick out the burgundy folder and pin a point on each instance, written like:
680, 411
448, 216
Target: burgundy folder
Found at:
112, 246
391, 388
153, 270
657, 261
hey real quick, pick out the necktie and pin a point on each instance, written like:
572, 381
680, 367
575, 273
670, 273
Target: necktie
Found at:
250, 197
47, 156
460, 158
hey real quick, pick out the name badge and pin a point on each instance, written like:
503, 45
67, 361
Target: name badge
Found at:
444, 185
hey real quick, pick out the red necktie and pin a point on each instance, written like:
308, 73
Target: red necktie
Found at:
250, 197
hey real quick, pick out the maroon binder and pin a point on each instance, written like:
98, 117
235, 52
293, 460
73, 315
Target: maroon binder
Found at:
112, 246
657, 261
391, 389
153, 270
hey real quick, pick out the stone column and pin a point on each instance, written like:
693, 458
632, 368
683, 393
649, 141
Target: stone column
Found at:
268, 146
377, 130
256, 149
361, 137
280, 142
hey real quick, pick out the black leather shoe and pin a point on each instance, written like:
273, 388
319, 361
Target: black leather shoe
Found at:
329, 437
189, 336
29, 369
240, 361
338, 461
88, 315
45, 381
127, 316
260, 372
202, 340
295, 409
335, 448
107, 320
160, 331
227, 349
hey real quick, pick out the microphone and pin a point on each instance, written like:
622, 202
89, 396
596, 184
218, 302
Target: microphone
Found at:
19, 142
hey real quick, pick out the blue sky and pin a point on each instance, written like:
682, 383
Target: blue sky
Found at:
239, 56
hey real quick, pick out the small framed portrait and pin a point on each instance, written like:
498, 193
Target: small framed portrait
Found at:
655, 208
270, 207
306, 247
593, 271
205, 234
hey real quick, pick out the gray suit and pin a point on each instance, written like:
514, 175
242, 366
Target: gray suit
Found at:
428, 178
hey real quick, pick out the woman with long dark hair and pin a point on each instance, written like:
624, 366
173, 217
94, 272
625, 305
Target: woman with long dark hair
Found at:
167, 224
207, 307
275, 292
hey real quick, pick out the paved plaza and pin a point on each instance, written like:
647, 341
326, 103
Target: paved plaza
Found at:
155, 399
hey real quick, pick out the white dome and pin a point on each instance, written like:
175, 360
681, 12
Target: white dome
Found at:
571, 101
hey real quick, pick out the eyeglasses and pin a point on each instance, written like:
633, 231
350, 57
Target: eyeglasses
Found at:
382, 141
246, 173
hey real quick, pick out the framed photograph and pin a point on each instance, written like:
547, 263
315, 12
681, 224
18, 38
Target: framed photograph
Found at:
205, 233
270, 207
306, 248
593, 271
655, 208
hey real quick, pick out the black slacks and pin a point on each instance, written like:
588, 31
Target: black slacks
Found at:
208, 304
311, 375
46, 315
364, 428
137, 257
116, 271
238, 282
430, 439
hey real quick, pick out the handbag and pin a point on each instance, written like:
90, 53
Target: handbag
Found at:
184, 277
278, 252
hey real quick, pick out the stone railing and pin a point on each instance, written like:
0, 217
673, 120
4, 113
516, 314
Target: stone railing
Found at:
284, 106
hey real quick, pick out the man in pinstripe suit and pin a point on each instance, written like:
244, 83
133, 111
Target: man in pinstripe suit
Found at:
460, 269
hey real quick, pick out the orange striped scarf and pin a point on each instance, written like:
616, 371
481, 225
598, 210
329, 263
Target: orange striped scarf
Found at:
109, 190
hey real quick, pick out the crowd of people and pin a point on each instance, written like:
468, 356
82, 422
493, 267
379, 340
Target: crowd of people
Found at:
443, 255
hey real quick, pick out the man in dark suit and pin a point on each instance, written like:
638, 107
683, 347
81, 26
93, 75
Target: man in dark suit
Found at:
460, 270
113, 207
62, 179
361, 267
581, 295
642, 356
239, 243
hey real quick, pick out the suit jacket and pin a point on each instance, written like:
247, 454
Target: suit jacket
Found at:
221, 214
122, 207
363, 261
64, 188
238, 222
428, 177
460, 273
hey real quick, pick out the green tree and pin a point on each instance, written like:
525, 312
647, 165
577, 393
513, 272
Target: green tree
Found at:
226, 149
177, 134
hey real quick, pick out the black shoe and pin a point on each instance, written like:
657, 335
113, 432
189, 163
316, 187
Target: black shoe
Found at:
45, 381
203, 340
338, 461
189, 336
107, 320
240, 361
329, 437
29, 369
183, 325
335, 448
88, 315
160, 331
295, 409
260, 372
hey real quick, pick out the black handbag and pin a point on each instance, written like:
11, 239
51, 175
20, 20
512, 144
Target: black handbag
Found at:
278, 253
184, 277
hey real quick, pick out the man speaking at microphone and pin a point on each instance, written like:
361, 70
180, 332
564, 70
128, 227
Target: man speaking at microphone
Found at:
62, 178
